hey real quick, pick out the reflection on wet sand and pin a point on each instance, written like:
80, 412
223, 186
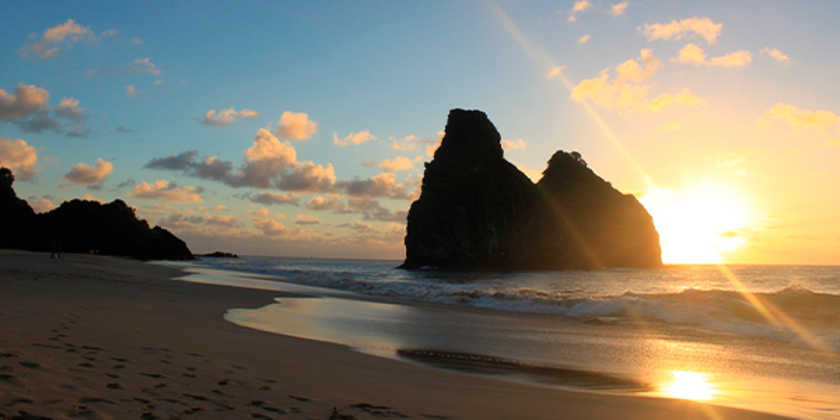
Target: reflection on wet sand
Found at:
688, 386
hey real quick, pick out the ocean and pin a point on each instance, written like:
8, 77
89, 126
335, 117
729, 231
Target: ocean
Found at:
762, 337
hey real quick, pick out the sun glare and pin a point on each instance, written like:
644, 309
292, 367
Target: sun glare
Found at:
697, 225
689, 386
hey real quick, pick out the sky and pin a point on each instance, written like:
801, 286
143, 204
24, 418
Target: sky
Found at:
301, 128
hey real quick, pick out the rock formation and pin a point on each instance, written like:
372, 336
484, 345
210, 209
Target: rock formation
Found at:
476, 210
82, 226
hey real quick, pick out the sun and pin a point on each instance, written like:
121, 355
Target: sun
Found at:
700, 224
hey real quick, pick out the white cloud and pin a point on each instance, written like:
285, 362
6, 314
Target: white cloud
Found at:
296, 126
581, 6
382, 185
142, 65
330, 202
132, 90
41, 205
518, 144
61, 37
583, 39
554, 72
621, 93
619, 8
399, 163
268, 163
693, 54
26, 101
825, 124
168, 192
69, 108
20, 157
631, 70
411, 143
228, 116
572, 18
776, 55
136, 41
83, 174
353, 138
695, 26
735, 59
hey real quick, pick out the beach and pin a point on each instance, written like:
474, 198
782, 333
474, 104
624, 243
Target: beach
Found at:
102, 337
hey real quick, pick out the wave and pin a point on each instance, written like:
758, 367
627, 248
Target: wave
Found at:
792, 313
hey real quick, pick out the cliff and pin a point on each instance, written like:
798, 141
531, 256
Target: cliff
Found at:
476, 210
81, 226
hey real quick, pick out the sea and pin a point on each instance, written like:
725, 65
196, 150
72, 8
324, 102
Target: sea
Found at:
760, 337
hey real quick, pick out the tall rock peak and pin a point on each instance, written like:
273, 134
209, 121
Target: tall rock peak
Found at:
477, 210
470, 135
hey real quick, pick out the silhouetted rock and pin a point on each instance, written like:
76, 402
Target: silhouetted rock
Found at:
16, 217
83, 226
220, 254
477, 210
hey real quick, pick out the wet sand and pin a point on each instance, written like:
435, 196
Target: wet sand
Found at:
108, 338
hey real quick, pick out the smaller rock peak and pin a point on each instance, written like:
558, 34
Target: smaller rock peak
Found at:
469, 133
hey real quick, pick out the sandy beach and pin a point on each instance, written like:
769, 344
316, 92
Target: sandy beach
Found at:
108, 338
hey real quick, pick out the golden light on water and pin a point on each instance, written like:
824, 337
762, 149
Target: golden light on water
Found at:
697, 225
689, 386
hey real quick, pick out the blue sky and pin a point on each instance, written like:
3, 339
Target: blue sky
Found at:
757, 119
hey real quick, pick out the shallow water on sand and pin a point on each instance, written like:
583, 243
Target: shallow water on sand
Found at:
767, 344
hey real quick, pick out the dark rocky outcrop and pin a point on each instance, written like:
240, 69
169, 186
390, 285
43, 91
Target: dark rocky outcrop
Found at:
219, 254
82, 226
477, 210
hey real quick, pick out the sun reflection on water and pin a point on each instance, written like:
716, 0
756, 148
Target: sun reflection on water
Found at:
689, 386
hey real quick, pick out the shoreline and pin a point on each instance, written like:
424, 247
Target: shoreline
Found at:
104, 337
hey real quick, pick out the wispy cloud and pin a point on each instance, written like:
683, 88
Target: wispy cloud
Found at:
168, 192
228, 116
270, 198
693, 54
142, 65
61, 37
509, 145
399, 163
619, 8
776, 55
824, 124
691, 27
554, 72
581, 6
353, 138
625, 93
583, 39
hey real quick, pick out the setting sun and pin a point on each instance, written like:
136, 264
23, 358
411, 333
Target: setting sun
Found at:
698, 224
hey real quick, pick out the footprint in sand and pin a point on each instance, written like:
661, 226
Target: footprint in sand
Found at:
30, 365
275, 410
113, 385
301, 399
